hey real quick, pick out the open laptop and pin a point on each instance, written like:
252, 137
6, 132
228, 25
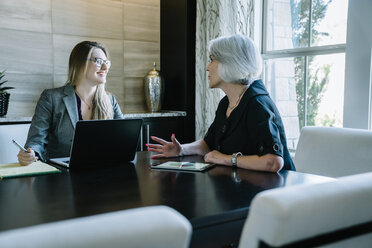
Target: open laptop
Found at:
100, 143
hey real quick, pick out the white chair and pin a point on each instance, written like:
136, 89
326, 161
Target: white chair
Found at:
334, 152
312, 215
8, 151
156, 226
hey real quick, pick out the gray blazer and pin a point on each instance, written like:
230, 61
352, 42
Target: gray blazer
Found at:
53, 124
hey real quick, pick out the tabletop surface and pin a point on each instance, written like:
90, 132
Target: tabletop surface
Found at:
202, 197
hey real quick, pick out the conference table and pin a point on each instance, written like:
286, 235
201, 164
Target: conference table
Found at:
216, 201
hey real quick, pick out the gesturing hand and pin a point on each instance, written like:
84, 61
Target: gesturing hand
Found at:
165, 148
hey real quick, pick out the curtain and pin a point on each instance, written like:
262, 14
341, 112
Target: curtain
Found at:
215, 18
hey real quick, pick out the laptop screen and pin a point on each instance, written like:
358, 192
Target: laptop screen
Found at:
101, 142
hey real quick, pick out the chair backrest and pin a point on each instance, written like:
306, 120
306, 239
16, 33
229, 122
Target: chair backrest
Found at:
334, 152
8, 151
336, 214
156, 226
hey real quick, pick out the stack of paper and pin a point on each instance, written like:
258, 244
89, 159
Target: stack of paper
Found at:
16, 170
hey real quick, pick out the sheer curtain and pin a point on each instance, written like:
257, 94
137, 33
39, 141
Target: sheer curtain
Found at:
215, 18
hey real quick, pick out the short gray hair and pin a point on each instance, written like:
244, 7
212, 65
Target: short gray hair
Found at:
240, 60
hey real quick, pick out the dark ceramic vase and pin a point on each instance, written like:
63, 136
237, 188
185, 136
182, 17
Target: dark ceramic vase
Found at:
4, 102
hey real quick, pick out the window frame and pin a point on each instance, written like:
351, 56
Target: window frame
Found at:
295, 52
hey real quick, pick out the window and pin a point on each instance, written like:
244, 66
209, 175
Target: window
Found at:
303, 45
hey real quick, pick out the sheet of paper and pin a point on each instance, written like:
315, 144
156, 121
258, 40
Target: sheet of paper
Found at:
16, 170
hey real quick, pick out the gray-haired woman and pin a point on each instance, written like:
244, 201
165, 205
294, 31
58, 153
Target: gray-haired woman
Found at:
247, 131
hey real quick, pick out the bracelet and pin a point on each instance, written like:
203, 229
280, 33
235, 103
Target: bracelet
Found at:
233, 158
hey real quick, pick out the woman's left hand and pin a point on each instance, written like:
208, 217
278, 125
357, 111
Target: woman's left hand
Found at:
268, 162
215, 157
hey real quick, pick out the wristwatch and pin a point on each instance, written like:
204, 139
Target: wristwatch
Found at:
233, 158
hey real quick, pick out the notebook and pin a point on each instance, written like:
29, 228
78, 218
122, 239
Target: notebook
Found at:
185, 166
33, 169
99, 143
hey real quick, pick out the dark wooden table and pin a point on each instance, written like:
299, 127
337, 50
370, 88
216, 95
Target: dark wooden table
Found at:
216, 201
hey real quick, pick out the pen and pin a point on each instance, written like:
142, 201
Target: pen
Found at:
19, 146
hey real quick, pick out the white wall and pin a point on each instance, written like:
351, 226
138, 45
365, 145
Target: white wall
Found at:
358, 64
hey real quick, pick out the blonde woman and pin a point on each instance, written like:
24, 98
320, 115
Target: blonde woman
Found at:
82, 98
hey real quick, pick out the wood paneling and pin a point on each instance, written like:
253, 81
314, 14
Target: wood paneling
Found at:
141, 23
154, 3
59, 80
115, 85
37, 38
141, 49
95, 18
26, 15
28, 88
139, 57
133, 95
25, 52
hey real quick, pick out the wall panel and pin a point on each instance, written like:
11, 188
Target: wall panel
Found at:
26, 15
141, 23
25, 52
133, 95
94, 18
28, 88
37, 37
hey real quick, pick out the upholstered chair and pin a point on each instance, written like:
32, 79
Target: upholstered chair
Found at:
334, 152
335, 214
156, 227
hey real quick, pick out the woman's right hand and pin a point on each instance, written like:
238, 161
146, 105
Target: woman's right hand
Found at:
165, 148
26, 158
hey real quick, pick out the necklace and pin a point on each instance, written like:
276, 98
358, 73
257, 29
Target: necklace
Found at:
240, 96
89, 106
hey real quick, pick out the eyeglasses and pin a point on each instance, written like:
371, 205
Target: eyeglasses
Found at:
99, 62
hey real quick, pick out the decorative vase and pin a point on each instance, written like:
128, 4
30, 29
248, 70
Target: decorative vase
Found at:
154, 89
4, 102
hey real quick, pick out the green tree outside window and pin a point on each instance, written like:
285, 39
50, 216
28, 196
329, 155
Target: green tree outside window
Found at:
316, 85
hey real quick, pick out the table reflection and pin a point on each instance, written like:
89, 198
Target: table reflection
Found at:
220, 193
105, 189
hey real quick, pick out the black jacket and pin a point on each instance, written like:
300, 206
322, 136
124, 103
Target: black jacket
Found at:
254, 127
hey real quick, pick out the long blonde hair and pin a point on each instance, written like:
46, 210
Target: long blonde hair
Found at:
77, 66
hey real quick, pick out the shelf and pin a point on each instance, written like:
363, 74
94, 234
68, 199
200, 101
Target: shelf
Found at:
163, 113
